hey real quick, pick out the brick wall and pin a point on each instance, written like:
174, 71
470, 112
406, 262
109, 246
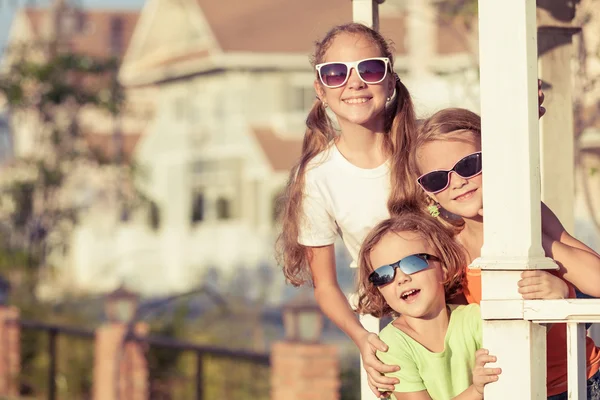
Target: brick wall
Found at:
302, 371
110, 354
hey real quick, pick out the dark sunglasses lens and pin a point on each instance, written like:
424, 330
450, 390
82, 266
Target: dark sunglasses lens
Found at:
434, 181
382, 275
469, 166
333, 74
412, 264
372, 71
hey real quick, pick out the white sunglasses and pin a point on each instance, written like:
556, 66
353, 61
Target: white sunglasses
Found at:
336, 74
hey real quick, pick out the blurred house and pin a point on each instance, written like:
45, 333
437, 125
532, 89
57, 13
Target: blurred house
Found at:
217, 95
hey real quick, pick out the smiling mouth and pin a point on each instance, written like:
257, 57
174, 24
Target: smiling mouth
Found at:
360, 100
465, 196
410, 294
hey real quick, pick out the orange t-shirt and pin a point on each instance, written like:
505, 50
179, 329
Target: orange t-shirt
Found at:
556, 342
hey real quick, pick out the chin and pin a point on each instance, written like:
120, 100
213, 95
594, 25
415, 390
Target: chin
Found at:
471, 212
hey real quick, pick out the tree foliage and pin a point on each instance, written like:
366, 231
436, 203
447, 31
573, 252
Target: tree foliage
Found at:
47, 89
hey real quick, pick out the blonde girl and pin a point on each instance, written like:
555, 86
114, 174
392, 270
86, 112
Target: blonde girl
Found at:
410, 266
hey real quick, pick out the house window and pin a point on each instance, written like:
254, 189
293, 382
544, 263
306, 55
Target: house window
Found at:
302, 98
198, 207
154, 216
223, 208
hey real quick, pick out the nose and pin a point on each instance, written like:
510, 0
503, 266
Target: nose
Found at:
401, 277
457, 181
354, 80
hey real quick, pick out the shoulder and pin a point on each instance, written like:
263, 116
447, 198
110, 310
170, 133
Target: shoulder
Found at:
465, 312
466, 321
392, 336
321, 171
322, 161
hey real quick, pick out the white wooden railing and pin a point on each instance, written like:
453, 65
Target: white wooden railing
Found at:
574, 312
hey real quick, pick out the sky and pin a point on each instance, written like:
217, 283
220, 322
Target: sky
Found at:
8, 8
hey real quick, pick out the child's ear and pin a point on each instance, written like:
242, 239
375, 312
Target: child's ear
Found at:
445, 273
319, 89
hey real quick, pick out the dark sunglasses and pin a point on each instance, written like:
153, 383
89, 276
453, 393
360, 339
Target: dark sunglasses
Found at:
369, 70
409, 265
436, 181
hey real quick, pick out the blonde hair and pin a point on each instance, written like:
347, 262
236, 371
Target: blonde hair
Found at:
447, 124
399, 124
439, 237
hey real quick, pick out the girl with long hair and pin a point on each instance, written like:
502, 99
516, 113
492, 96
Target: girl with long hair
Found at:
341, 185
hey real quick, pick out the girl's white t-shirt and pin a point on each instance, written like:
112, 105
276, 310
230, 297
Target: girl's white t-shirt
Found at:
341, 198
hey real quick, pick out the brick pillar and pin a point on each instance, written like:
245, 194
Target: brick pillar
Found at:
133, 368
302, 371
10, 351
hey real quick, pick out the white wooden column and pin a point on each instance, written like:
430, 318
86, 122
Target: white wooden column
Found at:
371, 324
511, 180
422, 41
366, 12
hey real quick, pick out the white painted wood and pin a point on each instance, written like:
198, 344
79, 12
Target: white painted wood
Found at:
512, 231
421, 28
371, 324
581, 310
501, 309
576, 361
520, 347
366, 12
508, 66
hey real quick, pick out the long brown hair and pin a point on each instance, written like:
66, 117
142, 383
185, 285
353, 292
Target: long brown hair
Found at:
399, 124
439, 237
447, 124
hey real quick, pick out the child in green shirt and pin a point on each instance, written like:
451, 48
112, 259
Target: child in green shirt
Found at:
409, 266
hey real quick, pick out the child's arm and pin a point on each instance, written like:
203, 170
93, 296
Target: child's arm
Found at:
335, 306
578, 266
552, 227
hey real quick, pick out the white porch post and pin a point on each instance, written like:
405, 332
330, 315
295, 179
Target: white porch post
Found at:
512, 233
366, 12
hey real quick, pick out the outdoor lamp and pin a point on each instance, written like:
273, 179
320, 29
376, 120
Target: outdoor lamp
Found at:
302, 318
4, 291
121, 305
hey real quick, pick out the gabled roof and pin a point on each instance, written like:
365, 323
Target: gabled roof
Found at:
282, 153
233, 33
282, 26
